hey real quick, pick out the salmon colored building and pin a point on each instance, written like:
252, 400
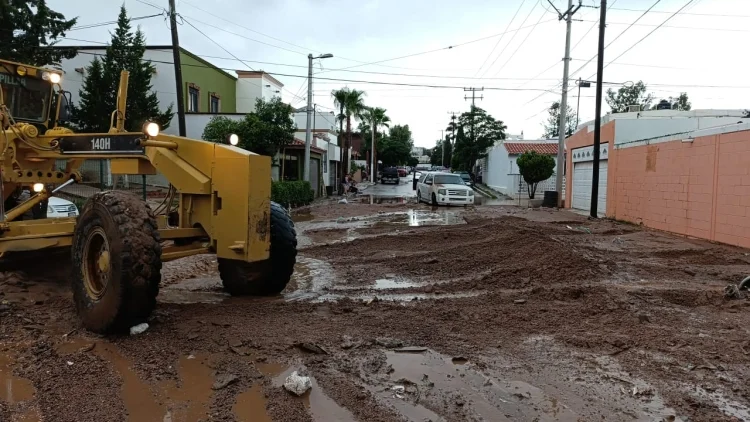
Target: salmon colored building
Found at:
695, 182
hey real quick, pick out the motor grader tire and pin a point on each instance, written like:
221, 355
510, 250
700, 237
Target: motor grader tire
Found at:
116, 262
269, 277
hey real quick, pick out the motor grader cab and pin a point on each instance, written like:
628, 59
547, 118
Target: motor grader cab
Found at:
218, 202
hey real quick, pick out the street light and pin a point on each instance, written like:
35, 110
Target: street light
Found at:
581, 84
308, 132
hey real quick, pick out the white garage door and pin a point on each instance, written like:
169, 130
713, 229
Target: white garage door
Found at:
582, 175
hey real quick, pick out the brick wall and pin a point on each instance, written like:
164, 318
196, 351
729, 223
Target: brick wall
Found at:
699, 188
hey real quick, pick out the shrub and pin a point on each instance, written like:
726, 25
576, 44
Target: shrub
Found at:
294, 194
535, 168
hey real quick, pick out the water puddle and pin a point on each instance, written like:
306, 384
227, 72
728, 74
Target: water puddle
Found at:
420, 382
251, 406
415, 218
188, 399
194, 290
312, 276
321, 407
12, 388
390, 283
302, 217
385, 199
398, 297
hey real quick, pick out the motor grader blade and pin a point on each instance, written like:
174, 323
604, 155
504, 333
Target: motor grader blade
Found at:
218, 202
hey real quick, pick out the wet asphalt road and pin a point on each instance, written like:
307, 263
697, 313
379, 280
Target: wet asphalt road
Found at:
404, 188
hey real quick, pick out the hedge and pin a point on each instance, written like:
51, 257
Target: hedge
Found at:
294, 194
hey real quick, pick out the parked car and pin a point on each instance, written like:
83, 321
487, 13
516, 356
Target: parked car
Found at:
58, 207
390, 175
402, 172
466, 177
444, 188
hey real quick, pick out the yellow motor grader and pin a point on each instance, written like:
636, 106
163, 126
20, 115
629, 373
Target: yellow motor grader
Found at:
218, 202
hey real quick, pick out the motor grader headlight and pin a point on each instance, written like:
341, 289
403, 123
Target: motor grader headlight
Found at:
233, 139
38, 187
52, 77
151, 129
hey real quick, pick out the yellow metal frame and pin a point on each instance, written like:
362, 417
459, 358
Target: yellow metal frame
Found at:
224, 191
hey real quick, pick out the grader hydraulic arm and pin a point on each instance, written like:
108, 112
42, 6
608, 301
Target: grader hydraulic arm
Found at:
222, 198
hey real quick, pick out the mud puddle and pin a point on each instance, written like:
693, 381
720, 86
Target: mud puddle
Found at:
16, 391
398, 297
321, 407
389, 283
385, 199
424, 385
194, 290
415, 218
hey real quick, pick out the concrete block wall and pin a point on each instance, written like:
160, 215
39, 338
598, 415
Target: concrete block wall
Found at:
699, 188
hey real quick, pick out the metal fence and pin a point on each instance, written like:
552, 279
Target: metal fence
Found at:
97, 176
520, 187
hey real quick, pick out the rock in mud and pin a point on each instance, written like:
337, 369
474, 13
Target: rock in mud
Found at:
311, 348
347, 342
388, 342
223, 381
519, 301
138, 329
296, 384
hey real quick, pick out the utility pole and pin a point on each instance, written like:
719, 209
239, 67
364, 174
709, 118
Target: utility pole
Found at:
598, 117
308, 132
562, 128
374, 164
177, 69
442, 143
473, 97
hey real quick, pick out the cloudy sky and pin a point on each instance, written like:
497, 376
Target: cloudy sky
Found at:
422, 54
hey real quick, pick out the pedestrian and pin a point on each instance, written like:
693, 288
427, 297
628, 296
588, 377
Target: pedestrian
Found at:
479, 177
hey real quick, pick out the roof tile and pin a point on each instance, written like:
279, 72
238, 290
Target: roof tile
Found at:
514, 148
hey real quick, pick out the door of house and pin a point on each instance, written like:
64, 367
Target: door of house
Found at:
583, 167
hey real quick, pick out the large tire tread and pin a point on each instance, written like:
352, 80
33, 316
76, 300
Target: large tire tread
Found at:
269, 277
135, 254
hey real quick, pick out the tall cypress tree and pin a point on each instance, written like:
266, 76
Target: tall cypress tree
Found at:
125, 52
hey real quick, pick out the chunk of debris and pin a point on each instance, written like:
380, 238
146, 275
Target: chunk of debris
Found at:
388, 342
296, 384
347, 342
138, 329
311, 348
343, 201
225, 380
643, 318
519, 301
732, 291
411, 349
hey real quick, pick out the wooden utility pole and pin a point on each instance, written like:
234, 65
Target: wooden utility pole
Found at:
598, 117
177, 69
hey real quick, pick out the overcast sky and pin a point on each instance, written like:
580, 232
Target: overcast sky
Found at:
699, 51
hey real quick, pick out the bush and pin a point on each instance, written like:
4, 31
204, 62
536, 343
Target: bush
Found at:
535, 168
294, 194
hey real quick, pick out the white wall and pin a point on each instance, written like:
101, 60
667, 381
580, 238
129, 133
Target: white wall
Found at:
498, 167
163, 81
250, 89
319, 120
195, 123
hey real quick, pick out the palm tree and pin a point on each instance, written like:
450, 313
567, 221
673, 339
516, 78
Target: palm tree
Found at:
351, 104
339, 99
377, 116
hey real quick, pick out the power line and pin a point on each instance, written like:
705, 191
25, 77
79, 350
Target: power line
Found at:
96, 25
678, 27
647, 35
501, 38
684, 13
151, 4
519, 46
513, 37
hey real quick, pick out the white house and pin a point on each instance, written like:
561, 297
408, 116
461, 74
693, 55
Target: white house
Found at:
254, 84
501, 172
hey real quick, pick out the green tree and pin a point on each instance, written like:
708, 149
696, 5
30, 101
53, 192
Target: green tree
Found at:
535, 168
484, 132
381, 121
620, 101
460, 144
99, 95
438, 156
352, 102
28, 26
395, 149
264, 131
552, 125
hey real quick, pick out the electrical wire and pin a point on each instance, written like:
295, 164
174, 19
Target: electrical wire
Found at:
649, 34
96, 25
151, 4
513, 37
501, 38
696, 28
685, 13
519, 46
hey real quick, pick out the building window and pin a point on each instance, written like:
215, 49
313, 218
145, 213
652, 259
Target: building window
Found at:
325, 162
193, 98
214, 103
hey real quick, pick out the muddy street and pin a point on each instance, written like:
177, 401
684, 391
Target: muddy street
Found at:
404, 312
